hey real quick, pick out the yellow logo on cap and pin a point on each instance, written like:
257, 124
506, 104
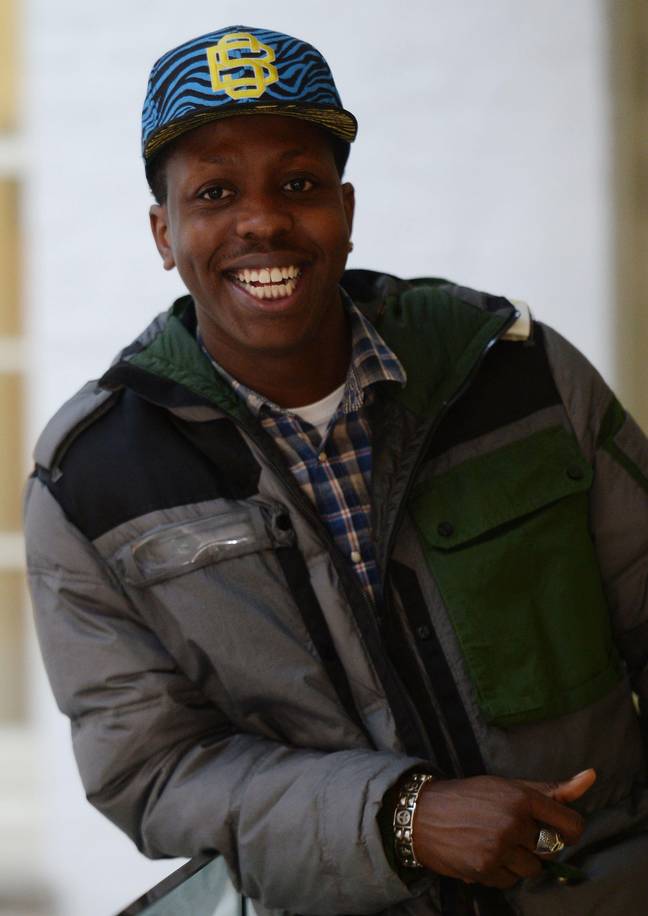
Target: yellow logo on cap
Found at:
263, 74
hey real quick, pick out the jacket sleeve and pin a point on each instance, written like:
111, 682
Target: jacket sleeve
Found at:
297, 827
618, 451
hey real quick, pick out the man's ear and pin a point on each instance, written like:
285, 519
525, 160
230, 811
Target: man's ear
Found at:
348, 200
160, 229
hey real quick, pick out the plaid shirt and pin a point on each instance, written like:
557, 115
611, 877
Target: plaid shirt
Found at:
335, 471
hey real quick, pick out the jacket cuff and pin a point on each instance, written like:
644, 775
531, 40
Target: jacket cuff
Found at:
385, 818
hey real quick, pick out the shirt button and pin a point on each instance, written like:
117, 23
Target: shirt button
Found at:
445, 529
355, 556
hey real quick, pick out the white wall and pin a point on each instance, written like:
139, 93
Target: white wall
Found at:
483, 155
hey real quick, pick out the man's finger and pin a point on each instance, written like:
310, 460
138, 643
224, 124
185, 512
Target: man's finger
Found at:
571, 789
567, 790
548, 805
547, 811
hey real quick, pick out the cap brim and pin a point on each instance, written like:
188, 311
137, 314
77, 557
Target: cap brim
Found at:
337, 121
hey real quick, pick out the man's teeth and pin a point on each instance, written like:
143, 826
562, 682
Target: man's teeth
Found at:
269, 282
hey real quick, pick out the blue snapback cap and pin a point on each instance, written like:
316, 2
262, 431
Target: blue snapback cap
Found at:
236, 71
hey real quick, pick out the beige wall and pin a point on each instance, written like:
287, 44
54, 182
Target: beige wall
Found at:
12, 688
629, 31
8, 64
22, 880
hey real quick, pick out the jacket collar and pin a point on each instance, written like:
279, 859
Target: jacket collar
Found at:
437, 330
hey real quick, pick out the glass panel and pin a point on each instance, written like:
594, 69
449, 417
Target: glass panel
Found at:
200, 888
10, 263
11, 465
8, 63
12, 635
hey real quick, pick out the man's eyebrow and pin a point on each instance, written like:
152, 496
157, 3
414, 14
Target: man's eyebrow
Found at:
221, 158
293, 153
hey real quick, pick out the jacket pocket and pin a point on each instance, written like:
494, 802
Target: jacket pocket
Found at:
506, 537
234, 529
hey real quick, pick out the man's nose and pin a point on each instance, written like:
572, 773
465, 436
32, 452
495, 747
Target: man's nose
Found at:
264, 216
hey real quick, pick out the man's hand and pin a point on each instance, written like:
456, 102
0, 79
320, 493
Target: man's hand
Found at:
484, 830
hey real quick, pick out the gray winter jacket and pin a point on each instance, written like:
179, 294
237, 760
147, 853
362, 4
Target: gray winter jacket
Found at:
229, 685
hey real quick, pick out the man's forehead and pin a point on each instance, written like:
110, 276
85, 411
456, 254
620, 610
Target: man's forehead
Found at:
279, 138
229, 155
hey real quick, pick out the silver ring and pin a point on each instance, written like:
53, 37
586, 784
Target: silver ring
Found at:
549, 841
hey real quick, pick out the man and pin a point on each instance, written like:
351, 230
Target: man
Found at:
342, 576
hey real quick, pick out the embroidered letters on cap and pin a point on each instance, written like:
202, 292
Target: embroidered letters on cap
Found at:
259, 72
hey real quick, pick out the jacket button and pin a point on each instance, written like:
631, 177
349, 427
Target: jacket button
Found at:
423, 632
283, 522
445, 529
575, 472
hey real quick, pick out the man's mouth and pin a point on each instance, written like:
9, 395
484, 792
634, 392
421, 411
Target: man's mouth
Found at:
267, 282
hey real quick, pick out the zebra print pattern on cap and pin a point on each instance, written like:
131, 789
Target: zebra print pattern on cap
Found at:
285, 75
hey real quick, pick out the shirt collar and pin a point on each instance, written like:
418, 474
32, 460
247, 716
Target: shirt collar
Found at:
372, 361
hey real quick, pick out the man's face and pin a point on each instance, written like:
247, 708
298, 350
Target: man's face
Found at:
258, 225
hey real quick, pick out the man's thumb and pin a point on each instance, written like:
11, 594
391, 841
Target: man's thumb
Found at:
569, 789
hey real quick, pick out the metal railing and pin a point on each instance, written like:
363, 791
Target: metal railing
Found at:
201, 887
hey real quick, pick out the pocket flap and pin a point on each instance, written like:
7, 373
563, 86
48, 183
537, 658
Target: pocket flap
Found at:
495, 489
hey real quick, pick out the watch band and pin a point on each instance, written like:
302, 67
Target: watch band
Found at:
404, 819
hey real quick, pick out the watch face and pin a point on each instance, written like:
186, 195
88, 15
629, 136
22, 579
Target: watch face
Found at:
199, 887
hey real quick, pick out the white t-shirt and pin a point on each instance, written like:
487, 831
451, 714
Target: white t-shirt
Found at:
319, 413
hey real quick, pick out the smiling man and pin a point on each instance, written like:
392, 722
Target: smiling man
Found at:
342, 576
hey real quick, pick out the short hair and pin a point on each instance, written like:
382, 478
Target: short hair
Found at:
156, 166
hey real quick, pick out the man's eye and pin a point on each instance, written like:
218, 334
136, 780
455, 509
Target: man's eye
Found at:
298, 184
216, 193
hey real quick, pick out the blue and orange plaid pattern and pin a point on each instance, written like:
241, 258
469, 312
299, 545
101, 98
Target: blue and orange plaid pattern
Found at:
335, 472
